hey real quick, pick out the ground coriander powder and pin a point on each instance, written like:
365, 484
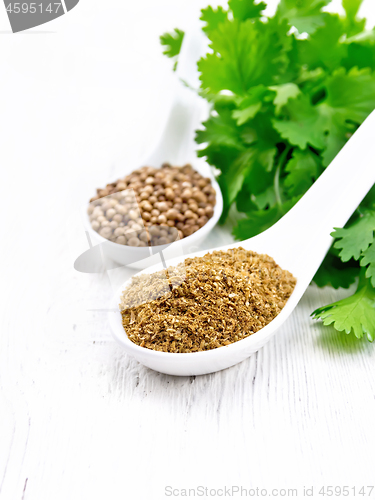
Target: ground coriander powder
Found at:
205, 302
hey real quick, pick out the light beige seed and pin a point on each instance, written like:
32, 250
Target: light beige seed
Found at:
163, 240
162, 206
133, 214
202, 220
200, 197
171, 214
106, 232
121, 240
186, 194
119, 231
169, 194
97, 211
144, 236
209, 210
134, 242
154, 230
189, 214
118, 218
120, 209
110, 213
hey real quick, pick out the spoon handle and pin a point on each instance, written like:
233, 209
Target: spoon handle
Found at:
304, 231
176, 143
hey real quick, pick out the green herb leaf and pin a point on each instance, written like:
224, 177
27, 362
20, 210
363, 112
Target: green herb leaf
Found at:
303, 169
303, 124
333, 272
284, 92
323, 48
305, 15
212, 18
245, 54
356, 238
258, 221
249, 106
354, 314
246, 9
282, 106
368, 259
172, 42
351, 8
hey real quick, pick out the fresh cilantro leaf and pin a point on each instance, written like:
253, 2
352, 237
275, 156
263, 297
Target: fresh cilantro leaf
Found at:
369, 200
333, 272
368, 259
284, 92
360, 50
249, 110
220, 130
354, 314
303, 169
172, 42
360, 54
212, 18
351, 94
245, 54
305, 15
350, 98
353, 25
266, 199
258, 181
322, 48
303, 125
356, 238
246, 9
351, 8
249, 106
258, 221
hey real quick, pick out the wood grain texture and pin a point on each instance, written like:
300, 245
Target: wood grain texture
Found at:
81, 419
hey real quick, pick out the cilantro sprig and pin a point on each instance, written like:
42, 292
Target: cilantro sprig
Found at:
286, 93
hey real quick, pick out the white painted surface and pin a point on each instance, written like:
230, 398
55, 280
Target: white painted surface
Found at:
80, 419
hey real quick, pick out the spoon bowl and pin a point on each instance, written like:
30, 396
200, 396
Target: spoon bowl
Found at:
177, 146
298, 243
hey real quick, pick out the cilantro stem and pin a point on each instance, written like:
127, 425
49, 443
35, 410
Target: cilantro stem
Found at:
276, 179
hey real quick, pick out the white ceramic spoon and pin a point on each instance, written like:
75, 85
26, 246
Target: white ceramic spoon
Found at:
176, 145
298, 242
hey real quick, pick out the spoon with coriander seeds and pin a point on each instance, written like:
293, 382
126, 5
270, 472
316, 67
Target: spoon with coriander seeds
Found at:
210, 310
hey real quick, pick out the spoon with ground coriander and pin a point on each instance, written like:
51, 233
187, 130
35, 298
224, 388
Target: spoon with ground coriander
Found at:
298, 243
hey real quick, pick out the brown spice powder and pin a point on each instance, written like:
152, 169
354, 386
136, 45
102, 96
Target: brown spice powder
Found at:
205, 302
